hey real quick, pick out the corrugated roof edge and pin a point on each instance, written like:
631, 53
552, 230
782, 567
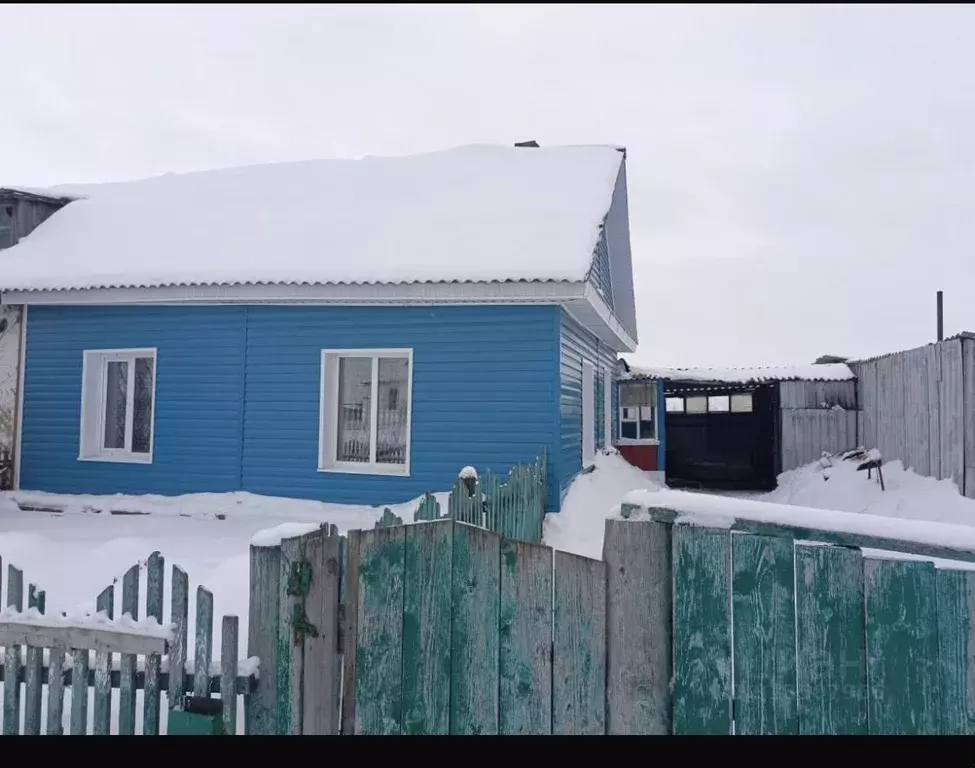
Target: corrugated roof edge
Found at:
965, 335
111, 286
747, 375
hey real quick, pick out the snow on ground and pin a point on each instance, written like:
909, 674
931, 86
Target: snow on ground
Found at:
839, 487
578, 528
77, 552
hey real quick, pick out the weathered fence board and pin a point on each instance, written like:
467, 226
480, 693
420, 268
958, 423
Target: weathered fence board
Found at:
902, 647
203, 647
11, 689
228, 671
126, 696
525, 703
262, 638
155, 586
350, 634
55, 692
956, 650
702, 623
639, 649
426, 628
316, 668
379, 641
102, 716
764, 634
579, 652
474, 651
179, 612
831, 655
33, 683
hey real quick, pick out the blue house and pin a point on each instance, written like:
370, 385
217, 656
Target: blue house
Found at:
353, 331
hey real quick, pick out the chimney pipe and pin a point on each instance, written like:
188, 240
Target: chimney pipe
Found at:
941, 316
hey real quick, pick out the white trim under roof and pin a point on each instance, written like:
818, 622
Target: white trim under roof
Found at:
580, 299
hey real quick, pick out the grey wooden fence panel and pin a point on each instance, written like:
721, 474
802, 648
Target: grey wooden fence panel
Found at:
968, 405
807, 433
933, 356
812, 394
639, 622
953, 415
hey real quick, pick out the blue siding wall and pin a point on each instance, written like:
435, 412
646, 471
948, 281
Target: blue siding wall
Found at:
577, 344
484, 385
199, 391
485, 392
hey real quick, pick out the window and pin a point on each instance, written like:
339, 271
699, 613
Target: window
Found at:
675, 404
6, 226
365, 411
741, 403
719, 404
697, 404
118, 405
638, 411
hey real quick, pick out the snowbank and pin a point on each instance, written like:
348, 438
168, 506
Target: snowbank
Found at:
908, 495
592, 498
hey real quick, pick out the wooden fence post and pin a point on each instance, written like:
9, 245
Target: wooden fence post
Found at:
262, 639
639, 624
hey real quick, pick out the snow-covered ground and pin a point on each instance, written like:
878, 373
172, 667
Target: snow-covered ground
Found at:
76, 553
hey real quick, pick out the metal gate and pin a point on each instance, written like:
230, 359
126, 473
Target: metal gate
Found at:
721, 436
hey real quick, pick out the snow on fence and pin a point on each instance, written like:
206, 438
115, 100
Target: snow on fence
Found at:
105, 653
513, 507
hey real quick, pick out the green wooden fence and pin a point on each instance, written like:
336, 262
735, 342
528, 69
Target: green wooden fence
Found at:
774, 635
34, 668
458, 630
513, 506
443, 627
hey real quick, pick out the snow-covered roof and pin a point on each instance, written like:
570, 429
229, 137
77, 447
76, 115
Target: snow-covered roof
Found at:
826, 372
469, 214
44, 192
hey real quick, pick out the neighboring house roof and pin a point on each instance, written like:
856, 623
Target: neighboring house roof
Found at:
826, 372
465, 215
36, 192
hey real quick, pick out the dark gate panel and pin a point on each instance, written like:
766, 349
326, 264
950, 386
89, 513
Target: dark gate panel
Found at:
728, 451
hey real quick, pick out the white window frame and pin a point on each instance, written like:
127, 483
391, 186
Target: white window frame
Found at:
93, 380
607, 409
328, 414
655, 440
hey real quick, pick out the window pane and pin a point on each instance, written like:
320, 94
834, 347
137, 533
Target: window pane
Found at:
696, 405
628, 414
647, 431
637, 394
116, 384
142, 406
675, 405
628, 430
718, 404
394, 373
355, 394
741, 403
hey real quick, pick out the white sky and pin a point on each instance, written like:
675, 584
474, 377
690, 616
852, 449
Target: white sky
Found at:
802, 178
